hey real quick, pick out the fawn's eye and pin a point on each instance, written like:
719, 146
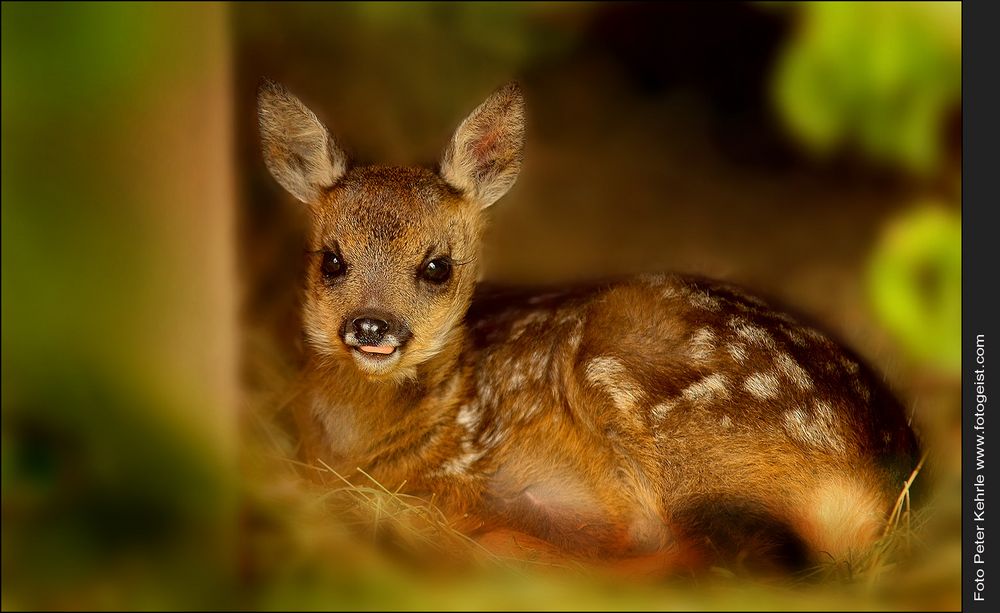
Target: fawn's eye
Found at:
332, 266
437, 270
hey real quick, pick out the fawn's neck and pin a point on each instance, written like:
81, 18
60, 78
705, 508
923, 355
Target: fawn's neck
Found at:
357, 413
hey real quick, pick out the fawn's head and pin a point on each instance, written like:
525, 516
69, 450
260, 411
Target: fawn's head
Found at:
393, 251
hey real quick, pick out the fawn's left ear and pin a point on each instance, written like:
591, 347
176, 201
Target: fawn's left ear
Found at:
298, 149
484, 156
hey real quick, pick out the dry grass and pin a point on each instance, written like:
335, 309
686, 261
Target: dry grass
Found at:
337, 537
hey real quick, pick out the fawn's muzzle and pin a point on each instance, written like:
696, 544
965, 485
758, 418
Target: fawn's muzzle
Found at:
374, 332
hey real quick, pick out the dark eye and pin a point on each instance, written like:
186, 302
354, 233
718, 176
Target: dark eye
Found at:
437, 270
332, 266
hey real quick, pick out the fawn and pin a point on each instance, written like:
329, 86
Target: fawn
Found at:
659, 415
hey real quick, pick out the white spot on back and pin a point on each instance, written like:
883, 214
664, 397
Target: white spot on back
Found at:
531, 318
542, 297
487, 394
785, 317
515, 379
671, 292
575, 336
538, 364
703, 300
816, 335
707, 388
533, 409
738, 351
752, 334
816, 429
795, 373
794, 335
763, 386
702, 344
862, 390
661, 410
611, 375
468, 416
568, 316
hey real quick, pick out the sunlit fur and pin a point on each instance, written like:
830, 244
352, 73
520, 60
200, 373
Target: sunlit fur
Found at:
667, 418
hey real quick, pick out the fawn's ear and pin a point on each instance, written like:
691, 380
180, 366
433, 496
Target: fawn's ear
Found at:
484, 155
298, 149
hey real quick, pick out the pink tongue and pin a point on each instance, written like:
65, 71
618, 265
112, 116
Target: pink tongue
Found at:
385, 350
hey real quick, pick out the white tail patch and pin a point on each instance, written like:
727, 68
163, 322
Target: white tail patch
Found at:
842, 518
708, 388
816, 428
611, 375
795, 373
763, 386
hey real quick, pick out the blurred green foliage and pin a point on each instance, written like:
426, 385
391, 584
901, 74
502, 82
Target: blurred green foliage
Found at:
915, 280
878, 76
107, 502
881, 78
514, 31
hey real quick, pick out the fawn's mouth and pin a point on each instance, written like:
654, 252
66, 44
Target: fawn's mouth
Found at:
375, 357
376, 349
375, 360
378, 363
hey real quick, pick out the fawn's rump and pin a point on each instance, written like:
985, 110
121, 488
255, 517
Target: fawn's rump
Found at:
755, 440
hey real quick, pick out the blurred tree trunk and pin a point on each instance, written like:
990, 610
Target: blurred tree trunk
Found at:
119, 305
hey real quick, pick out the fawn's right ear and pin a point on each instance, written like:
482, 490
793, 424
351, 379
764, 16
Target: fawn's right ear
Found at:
298, 149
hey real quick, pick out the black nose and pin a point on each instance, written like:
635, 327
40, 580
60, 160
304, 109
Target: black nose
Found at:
369, 331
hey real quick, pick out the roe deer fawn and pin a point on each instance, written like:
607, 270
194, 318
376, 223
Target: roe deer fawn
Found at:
649, 416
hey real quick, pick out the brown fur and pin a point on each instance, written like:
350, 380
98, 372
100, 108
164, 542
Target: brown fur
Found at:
665, 418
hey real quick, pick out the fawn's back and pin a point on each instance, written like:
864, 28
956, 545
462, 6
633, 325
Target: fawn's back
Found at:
660, 415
